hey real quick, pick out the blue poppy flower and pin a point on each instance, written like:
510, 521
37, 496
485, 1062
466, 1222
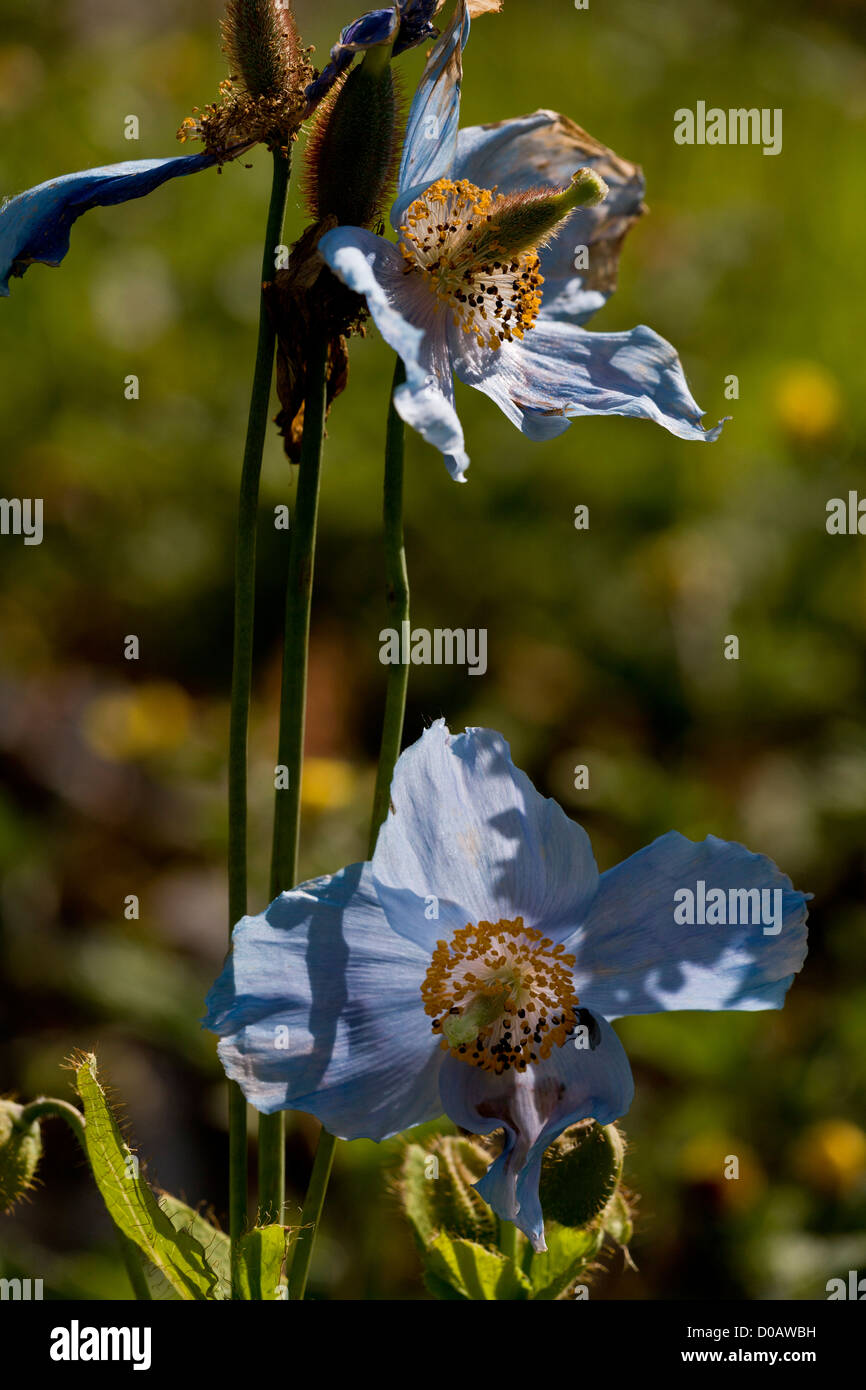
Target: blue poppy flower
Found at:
479, 299
472, 967
402, 26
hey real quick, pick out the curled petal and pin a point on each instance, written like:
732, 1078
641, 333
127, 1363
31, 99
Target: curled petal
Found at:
370, 31
468, 829
560, 372
633, 957
534, 1107
543, 150
319, 1009
35, 225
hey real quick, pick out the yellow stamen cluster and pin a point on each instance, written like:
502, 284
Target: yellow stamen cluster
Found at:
446, 236
501, 995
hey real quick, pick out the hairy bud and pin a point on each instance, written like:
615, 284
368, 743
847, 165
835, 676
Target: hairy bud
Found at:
580, 1173
353, 151
20, 1152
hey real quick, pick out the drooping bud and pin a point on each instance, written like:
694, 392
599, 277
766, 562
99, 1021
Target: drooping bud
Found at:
519, 222
353, 150
437, 1192
580, 1173
20, 1152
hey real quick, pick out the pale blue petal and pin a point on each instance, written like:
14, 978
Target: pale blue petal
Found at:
374, 268
468, 829
35, 226
319, 1009
430, 410
560, 372
543, 150
634, 958
534, 1107
431, 130
412, 323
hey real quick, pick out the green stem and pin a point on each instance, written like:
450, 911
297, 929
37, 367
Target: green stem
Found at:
293, 699
312, 1214
242, 664
397, 598
46, 1107
508, 1239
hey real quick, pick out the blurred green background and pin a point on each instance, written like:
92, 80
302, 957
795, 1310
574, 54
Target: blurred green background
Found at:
605, 646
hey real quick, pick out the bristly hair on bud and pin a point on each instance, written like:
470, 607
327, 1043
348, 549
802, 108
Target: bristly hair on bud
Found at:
262, 44
263, 101
353, 151
20, 1152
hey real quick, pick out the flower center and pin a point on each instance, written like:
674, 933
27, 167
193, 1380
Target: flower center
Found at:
448, 236
501, 995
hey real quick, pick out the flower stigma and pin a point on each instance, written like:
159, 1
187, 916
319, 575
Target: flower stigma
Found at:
501, 995
478, 250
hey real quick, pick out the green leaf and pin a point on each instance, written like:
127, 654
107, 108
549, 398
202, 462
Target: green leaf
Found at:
569, 1251
261, 1255
176, 1255
471, 1271
216, 1246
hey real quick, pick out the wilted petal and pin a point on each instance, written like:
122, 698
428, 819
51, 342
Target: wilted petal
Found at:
469, 829
35, 226
634, 958
319, 1009
370, 31
560, 372
543, 150
431, 131
415, 23
534, 1107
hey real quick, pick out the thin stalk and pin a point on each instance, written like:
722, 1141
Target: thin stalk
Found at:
397, 599
293, 699
242, 665
508, 1239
